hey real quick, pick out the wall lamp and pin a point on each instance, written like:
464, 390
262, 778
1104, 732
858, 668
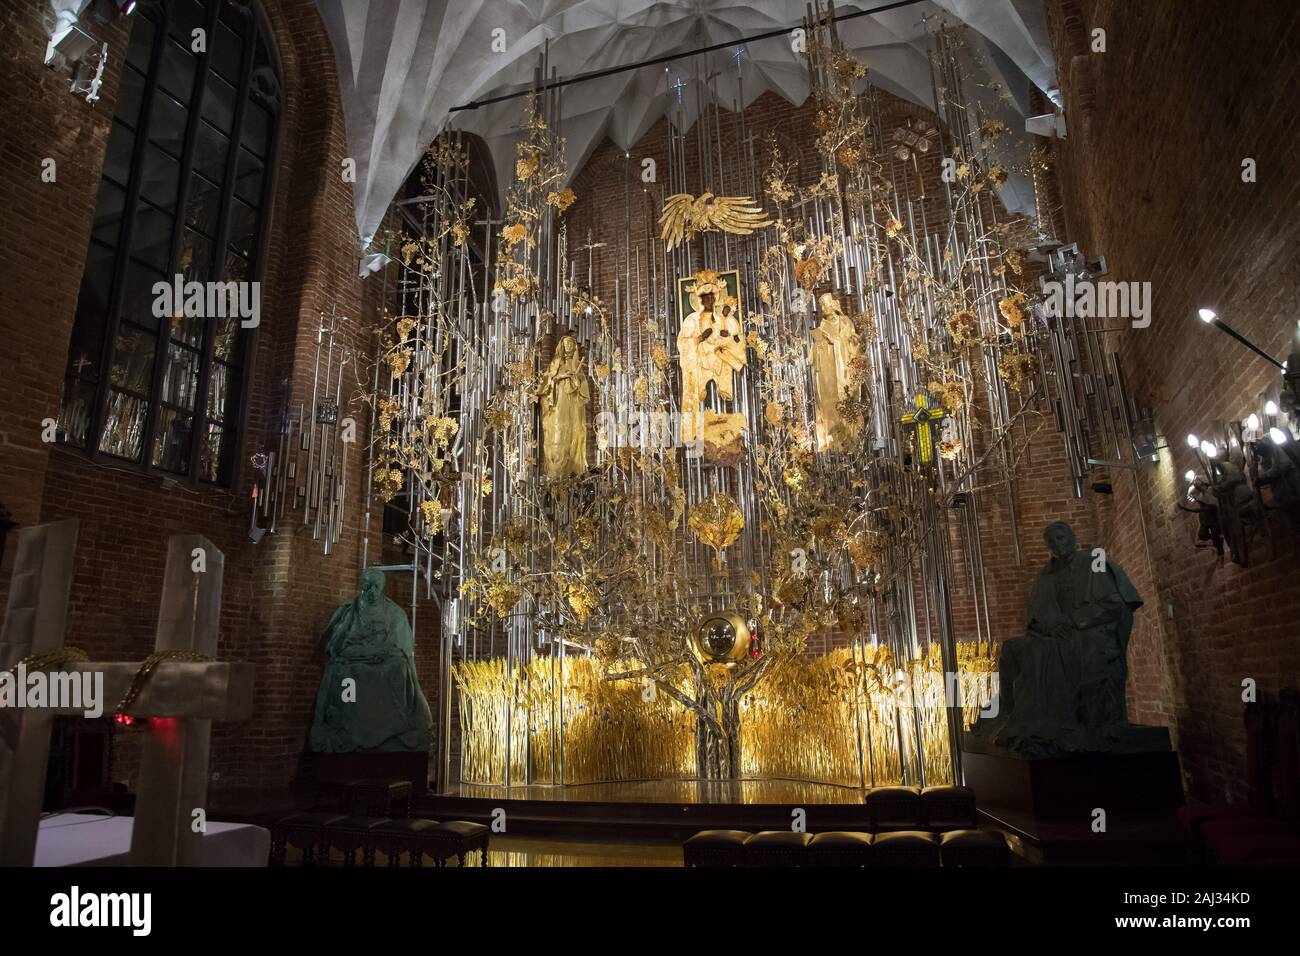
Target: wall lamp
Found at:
1210, 317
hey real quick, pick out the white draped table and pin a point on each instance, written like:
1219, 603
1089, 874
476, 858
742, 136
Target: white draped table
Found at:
83, 839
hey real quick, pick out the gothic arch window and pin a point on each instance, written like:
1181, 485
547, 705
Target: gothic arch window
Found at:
185, 190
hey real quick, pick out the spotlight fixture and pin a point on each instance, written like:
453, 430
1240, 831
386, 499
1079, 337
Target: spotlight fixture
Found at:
371, 263
1193, 441
1190, 476
1210, 317
1279, 437
83, 56
1209, 449
1270, 407
1253, 422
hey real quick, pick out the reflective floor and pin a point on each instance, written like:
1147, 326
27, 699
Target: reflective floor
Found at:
515, 851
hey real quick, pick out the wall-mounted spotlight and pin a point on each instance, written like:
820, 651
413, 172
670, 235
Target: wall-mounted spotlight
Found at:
1210, 317
73, 48
1279, 437
371, 263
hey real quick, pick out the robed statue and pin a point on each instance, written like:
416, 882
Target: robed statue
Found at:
835, 346
369, 698
1061, 686
711, 347
565, 395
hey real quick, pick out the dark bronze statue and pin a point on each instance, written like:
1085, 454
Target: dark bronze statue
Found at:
1062, 684
369, 698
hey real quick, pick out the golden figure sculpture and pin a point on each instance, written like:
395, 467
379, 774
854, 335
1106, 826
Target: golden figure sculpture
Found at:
685, 215
565, 395
711, 344
835, 344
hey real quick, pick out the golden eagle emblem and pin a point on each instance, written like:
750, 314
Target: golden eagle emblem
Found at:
684, 215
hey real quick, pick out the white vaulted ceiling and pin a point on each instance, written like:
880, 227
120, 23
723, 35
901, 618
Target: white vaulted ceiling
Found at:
405, 64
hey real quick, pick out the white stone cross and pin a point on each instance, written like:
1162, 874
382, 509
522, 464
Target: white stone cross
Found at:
180, 698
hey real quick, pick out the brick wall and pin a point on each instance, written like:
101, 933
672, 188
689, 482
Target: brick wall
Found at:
277, 594
1151, 178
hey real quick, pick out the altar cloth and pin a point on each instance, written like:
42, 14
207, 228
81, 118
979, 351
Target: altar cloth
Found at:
84, 839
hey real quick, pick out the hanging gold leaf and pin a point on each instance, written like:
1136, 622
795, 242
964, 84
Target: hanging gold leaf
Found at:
717, 522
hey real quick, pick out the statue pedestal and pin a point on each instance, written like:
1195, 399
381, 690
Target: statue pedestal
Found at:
1050, 802
334, 768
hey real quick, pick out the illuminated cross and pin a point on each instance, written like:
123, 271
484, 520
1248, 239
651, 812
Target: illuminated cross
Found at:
679, 86
923, 420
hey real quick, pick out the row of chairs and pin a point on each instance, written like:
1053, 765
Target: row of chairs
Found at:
919, 808
375, 796
730, 848
315, 834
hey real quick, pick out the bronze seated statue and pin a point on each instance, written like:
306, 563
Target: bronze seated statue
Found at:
1061, 686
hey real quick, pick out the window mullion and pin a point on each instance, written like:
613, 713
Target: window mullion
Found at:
122, 254
163, 358
257, 264
221, 236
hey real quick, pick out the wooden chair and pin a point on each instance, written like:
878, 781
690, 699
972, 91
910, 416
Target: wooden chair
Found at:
377, 797
715, 848
456, 838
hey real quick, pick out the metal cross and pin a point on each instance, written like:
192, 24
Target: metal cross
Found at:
589, 247
923, 420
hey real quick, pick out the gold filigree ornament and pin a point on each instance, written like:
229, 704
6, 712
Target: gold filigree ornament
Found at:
526, 165
867, 550
717, 522
431, 512
791, 590
388, 482
1016, 369
513, 234
399, 360
1014, 309
502, 594
582, 599
685, 215
561, 200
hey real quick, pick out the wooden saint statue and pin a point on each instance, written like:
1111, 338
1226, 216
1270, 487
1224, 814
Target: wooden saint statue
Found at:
564, 395
711, 345
835, 344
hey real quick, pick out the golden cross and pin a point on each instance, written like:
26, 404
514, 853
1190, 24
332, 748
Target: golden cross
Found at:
923, 419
